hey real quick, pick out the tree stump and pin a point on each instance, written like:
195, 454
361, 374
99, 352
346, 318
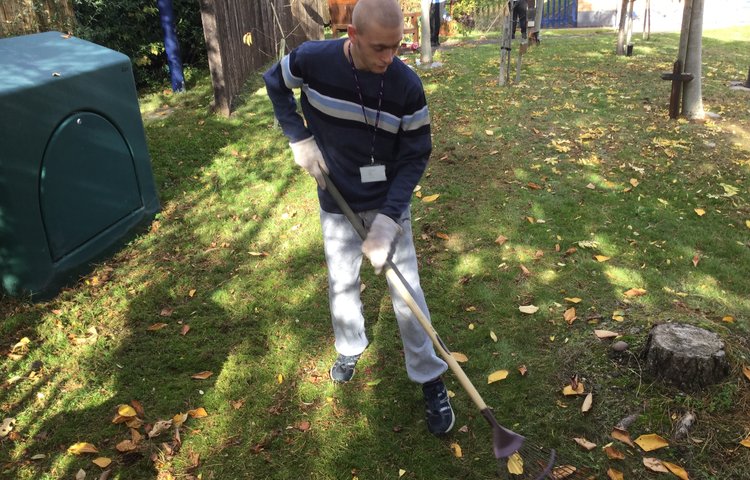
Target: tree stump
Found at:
686, 356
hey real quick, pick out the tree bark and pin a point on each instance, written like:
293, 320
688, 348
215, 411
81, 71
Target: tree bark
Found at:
425, 47
621, 31
505, 42
687, 11
647, 21
692, 97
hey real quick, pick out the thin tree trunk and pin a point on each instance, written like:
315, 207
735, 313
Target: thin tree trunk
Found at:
621, 31
685, 31
425, 47
692, 98
505, 43
647, 21
629, 39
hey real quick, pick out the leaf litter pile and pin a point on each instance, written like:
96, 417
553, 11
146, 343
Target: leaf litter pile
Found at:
559, 219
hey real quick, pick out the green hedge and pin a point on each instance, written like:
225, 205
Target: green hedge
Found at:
133, 28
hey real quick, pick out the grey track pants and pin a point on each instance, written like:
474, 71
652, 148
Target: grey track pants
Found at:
343, 251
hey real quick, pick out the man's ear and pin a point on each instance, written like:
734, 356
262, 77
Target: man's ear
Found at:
351, 32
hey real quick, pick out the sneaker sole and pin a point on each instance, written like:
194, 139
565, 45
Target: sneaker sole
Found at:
330, 374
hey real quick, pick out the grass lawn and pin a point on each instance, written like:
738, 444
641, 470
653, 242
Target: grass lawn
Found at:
594, 191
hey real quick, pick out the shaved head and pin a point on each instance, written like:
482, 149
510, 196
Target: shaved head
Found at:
384, 13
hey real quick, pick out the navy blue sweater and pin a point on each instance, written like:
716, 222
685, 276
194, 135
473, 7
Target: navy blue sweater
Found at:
333, 114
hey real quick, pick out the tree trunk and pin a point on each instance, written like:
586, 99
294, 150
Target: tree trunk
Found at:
687, 11
621, 31
647, 21
629, 36
425, 47
688, 357
505, 43
692, 97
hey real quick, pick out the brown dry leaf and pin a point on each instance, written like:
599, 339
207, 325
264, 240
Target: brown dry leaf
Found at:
202, 375
655, 465
677, 470
199, 412
81, 474
613, 453
528, 309
525, 270
156, 326
456, 449
538, 254
571, 251
651, 441
497, 376
522, 370
623, 436
166, 312
120, 419
138, 408
585, 443
570, 315
444, 236
430, 198
126, 446
185, 329
635, 292
696, 259
135, 436
501, 239
159, 427
613, 474
534, 186
569, 390
515, 464
134, 423
587, 402
746, 371
459, 357
303, 426
562, 472
602, 334
102, 462
82, 447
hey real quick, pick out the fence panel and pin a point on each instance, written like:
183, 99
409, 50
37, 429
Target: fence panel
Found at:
560, 14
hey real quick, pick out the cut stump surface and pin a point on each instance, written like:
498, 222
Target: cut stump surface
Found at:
688, 357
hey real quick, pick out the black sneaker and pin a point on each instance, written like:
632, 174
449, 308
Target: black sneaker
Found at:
343, 368
440, 416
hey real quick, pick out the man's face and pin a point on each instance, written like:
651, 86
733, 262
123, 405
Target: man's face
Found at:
377, 46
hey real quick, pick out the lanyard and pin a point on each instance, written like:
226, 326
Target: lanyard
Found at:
362, 104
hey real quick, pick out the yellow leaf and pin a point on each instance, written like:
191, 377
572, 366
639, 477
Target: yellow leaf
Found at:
746, 371
570, 315
568, 390
456, 448
587, 402
635, 292
489, 132
497, 376
493, 336
191, 293
746, 442
460, 357
601, 334
199, 412
651, 441
634, 182
700, 212
677, 470
529, 309
126, 411
430, 198
573, 300
585, 443
102, 462
622, 436
202, 375
280, 378
471, 326
401, 472
655, 465
82, 447
156, 326
179, 419
614, 474
471, 308
601, 258
728, 319
515, 464
747, 223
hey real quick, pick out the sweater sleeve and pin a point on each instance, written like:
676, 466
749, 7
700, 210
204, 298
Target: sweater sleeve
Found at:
280, 79
413, 153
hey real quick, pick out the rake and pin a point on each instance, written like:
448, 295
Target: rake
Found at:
517, 458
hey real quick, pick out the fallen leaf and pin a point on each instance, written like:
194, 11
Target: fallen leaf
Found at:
700, 212
489, 132
82, 447
156, 326
602, 334
677, 470
623, 436
280, 379
493, 336
585, 443
237, 404
159, 427
746, 371
569, 390
587, 402
185, 329
456, 449
655, 465
179, 419
501, 239
525, 270
522, 370
401, 472
570, 315
303, 426
138, 408
7, 426
591, 186
460, 357
444, 236
613, 453
102, 462
202, 375
529, 309
199, 412
81, 474
39, 456
696, 259
166, 312
601, 258
534, 186
515, 464
126, 446
497, 376
126, 411
430, 198
727, 318
618, 316
135, 436
573, 299
635, 292
562, 472
192, 292
650, 442
614, 474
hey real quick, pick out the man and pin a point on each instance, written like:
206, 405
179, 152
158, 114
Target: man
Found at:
367, 126
436, 15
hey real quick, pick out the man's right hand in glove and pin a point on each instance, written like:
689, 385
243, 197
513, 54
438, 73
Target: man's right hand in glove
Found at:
308, 156
380, 237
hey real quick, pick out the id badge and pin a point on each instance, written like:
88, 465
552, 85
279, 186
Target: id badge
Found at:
372, 173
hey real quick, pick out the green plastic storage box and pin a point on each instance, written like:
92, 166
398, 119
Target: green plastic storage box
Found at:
75, 174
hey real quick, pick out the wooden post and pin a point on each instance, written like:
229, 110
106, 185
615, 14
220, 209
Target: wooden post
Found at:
677, 78
747, 82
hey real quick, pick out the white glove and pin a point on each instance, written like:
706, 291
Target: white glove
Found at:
380, 237
307, 155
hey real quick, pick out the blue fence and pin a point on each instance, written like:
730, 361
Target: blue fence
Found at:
560, 14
